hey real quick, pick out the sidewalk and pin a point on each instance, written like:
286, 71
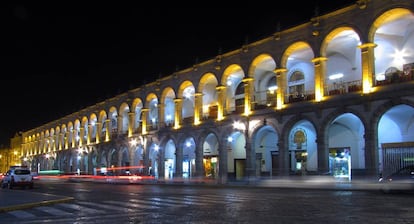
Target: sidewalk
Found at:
15, 199
304, 182
320, 182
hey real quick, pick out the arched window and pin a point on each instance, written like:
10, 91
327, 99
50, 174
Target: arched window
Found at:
240, 89
297, 83
239, 98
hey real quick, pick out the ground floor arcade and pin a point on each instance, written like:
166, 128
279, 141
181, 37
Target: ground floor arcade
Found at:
343, 144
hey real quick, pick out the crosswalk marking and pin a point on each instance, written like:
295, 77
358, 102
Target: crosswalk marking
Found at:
120, 207
52, 210
155, 203
22, 214
227, 197
121, 203
80, 208
179, 202
110, 207
190, 200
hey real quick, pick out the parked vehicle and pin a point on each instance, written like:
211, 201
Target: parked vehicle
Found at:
401, 180
18, 177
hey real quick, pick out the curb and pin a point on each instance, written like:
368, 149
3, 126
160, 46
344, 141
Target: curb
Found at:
34, 204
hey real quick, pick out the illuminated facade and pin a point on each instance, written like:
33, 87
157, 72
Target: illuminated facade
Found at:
11, 156
323, 97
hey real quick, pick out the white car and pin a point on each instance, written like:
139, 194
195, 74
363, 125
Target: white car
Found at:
18, 177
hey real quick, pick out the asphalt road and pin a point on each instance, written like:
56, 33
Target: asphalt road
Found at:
116, 203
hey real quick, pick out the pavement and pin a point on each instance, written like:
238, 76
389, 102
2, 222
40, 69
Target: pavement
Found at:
17, 199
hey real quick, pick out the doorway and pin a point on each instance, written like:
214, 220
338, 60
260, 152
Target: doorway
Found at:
240, 166
340, 162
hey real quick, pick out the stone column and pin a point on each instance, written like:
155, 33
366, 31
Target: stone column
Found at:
51, 144
178, 112
199, 161
131, 123
98, 132
178, 162
371, 152
281, 87
223, 171
323, 154
45, 145
119, 124
89, 134
82, 135
368, 66
74, 138
283, 158
161, 163
66, 140
161, 115
221, 93
108, 130
144, 120
250, 154
320, 72
198, 107
61, 141
248, 94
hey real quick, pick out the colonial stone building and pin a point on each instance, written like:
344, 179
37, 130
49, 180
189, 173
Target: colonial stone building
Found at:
325, 97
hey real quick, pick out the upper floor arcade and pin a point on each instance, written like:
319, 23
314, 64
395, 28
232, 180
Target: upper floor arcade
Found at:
358, 49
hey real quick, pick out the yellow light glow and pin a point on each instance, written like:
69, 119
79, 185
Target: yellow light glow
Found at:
366, 86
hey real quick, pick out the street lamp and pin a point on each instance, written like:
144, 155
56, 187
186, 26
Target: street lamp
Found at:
133, 142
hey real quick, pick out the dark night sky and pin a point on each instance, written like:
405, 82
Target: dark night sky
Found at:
60, 58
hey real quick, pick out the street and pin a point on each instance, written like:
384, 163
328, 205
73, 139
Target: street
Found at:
123, 203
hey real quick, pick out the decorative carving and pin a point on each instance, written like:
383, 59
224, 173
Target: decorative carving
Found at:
362, 4
276, 36
315, 21
299, 138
